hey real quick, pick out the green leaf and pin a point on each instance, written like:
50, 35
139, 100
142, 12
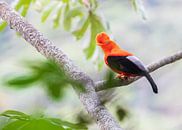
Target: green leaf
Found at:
66, 21
109, 79
100, 65
69, 15
47, 73
56, 20
25, 4
96, 27
83, 118
12, 114
3, 25
80, 1
134, 4
47, 12
74, 12
25, 10
19, 4
34, 124
20, 121
138, 6
55, 90
94, 4
89, 51
43, 124
22, 80
80, 32
121, 113
68, 124
65, 1
16, 125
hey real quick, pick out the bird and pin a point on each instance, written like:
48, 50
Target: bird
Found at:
121, 61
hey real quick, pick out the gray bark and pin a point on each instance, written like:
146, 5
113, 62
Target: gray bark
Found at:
89, 98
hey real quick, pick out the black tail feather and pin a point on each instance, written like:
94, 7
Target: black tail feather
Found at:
154, 86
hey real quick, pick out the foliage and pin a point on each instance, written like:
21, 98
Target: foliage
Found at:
23, 5
138, 7
48, 74
21, 121
76, 16
121, 113
3, 25
109, 79
83, 117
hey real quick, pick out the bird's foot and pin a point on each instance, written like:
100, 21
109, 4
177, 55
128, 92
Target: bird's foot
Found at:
122, 76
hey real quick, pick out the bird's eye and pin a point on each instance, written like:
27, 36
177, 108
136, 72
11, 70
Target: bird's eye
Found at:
106, 42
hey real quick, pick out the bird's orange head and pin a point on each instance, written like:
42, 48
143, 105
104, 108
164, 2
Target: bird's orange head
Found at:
102, 39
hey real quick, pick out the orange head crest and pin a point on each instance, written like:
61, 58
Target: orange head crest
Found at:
102, 39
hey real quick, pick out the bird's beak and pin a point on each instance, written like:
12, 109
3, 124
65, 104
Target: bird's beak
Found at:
99, 44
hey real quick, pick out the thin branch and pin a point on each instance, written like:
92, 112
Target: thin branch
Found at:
89, 98
102, 85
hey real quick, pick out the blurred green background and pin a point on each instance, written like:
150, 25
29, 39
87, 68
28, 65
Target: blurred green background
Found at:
151, 39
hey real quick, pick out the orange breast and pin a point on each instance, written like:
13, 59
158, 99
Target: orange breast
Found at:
115, 70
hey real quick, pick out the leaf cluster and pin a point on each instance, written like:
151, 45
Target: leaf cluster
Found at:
78, 17
46, 73
21, 121
75, 17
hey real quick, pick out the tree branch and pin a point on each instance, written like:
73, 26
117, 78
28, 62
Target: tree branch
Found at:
89, 98
102, 85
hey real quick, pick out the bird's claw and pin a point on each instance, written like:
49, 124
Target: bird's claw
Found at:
121, 76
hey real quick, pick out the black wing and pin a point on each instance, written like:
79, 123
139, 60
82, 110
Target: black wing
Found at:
127, 64
131, 65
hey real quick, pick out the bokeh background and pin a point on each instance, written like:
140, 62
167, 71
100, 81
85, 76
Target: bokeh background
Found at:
151, 39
